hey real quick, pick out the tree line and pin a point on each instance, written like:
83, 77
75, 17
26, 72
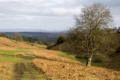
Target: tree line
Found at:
19, 37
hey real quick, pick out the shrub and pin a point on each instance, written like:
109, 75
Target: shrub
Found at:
61, 39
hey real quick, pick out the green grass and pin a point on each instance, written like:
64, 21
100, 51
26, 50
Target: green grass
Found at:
62, 54
83, 60
9, 56
27, 77
100, 64
70, 56
25, 50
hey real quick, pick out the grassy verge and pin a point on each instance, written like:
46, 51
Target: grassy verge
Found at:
9, 56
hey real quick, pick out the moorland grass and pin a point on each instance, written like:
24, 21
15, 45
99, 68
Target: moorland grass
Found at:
29, 71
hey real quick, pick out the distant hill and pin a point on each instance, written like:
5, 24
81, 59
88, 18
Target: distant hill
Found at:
43, 36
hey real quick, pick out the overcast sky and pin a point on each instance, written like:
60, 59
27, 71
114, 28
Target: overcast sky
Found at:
47, 15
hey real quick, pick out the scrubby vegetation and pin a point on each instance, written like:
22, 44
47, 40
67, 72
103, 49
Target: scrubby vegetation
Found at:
92, 39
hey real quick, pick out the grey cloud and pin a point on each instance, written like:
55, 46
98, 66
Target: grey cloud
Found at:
48, 14
38, 8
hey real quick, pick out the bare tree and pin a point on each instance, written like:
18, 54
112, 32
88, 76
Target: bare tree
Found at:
92, 22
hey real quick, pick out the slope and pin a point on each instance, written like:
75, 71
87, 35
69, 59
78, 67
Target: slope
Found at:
22, 61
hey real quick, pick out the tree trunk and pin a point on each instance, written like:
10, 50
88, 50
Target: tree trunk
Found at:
89, 60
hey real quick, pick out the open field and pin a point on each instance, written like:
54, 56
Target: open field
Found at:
22, 61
